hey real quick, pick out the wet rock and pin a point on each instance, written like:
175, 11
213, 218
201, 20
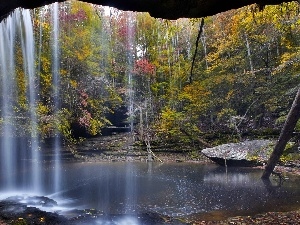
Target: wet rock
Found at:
15, 212
33, 200
247, 153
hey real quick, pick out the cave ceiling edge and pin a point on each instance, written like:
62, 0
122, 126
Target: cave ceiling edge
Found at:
166, 9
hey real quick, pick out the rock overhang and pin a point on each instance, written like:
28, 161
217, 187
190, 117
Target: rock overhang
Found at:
166, 9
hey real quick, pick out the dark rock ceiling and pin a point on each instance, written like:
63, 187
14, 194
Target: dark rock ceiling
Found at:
168, 9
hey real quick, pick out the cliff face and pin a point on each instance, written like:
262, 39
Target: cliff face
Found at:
167, 9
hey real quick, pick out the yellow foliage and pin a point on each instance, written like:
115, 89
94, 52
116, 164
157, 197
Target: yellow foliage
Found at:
21, 83
229, 95
73, 83
42, 109
64, 72
170, 121
95, 126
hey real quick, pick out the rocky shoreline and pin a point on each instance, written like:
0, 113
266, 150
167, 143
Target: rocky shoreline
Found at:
270, 218
14, 212
120, 148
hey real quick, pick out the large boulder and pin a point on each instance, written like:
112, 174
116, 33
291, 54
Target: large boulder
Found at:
168, 9
247, 153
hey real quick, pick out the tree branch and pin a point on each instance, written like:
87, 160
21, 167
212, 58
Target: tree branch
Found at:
197, 43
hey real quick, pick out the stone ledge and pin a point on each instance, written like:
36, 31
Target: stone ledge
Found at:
247, 153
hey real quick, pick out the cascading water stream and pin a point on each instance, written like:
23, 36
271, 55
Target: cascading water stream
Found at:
14, 152
7, 70
131, 200
40, 42
56, 82
28, 50
130, 58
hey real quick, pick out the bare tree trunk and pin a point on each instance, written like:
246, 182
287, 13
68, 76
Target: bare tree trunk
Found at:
196, 49
285, 136
249, 54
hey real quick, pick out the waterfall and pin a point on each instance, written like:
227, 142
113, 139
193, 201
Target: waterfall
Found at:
130, 189
16, 30
131, 201
56, 93
7, 70
28, 50
130, 58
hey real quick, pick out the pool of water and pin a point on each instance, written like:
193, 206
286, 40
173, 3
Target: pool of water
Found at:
188, 190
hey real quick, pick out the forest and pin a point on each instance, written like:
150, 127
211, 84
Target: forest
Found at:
244, 78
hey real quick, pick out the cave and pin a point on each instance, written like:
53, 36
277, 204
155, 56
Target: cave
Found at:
166, 9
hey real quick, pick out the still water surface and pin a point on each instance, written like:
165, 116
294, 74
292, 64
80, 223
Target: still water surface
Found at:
174, 189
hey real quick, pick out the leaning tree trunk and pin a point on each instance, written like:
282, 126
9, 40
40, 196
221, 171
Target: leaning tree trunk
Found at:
285, 136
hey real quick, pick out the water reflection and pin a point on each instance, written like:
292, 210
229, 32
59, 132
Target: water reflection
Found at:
174, 189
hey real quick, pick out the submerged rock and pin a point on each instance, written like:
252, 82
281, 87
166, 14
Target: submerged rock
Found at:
247, 153
14, 212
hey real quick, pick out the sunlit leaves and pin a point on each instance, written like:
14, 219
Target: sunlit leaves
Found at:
196, 97
169, 125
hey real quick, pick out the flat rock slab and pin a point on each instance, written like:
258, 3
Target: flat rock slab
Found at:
247, 153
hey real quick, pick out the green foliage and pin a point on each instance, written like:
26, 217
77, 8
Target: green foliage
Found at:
226, 114
194, 154
45, 121
257, 154
175, 126
19, 221
281, 120
169, 124
290, 153
63, 123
